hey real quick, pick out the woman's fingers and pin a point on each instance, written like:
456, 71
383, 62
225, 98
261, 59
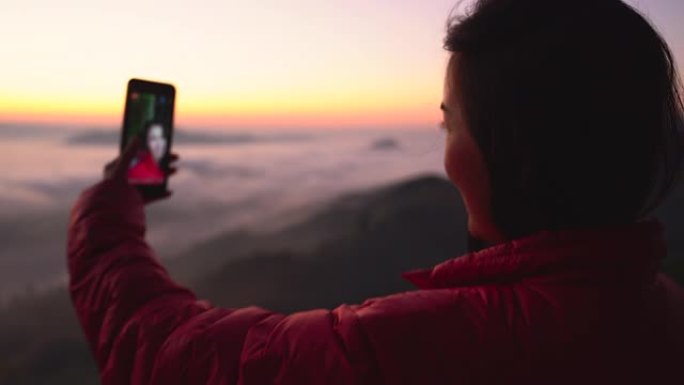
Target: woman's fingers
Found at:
173, 158
158, 198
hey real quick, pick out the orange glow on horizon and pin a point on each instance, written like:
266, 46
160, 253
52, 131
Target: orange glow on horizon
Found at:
304, 110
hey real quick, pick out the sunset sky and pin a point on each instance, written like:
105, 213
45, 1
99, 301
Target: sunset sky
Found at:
268, 63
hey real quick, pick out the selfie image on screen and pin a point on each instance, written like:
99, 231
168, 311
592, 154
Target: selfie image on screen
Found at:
149, 117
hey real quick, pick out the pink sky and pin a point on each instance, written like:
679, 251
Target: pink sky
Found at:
267, 63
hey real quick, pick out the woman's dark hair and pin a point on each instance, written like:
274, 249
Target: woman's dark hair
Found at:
576, 107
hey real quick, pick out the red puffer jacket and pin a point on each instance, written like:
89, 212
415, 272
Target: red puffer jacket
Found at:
554, 308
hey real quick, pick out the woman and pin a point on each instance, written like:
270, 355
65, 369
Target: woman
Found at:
145, 167
563, 133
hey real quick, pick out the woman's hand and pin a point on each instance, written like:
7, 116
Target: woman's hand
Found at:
116, 171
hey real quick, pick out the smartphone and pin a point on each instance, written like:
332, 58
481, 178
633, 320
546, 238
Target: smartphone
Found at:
148, 113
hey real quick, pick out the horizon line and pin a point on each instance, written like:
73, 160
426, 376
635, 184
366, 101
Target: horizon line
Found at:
219, 126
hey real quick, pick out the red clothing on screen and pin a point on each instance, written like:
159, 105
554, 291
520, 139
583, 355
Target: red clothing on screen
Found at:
567, 307
146, 171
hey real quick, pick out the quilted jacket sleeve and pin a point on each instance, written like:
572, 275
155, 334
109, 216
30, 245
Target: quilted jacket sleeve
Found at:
143, 328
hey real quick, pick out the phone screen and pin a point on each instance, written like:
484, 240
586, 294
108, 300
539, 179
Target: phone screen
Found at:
149, 115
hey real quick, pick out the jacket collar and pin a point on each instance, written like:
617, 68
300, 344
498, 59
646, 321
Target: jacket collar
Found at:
631, 251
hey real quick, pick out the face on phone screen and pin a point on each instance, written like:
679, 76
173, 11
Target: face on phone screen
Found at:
149, 116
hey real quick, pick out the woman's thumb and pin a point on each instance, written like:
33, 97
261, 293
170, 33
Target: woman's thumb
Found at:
131, 149
129, 152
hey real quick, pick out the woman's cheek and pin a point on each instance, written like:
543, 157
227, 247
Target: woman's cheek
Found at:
464, 165
453, 159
